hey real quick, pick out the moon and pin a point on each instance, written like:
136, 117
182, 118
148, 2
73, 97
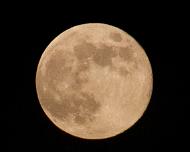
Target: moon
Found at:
94, 81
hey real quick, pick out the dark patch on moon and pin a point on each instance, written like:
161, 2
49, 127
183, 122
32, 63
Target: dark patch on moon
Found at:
81, 107
123, 71
79, 119
126, 53
84, 50
115, 37
101, 56
89, 107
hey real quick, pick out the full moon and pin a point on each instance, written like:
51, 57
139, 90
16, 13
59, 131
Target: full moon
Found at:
94, 81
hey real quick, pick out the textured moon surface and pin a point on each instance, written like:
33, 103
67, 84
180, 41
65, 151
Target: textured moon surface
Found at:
94, 81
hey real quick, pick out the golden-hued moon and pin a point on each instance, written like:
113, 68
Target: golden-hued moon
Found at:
94, 81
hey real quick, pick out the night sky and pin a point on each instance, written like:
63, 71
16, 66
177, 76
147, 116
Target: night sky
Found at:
159, 29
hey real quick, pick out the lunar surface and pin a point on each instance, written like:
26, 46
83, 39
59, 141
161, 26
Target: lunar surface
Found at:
94, 81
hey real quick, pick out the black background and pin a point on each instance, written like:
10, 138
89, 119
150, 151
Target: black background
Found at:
159, 28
